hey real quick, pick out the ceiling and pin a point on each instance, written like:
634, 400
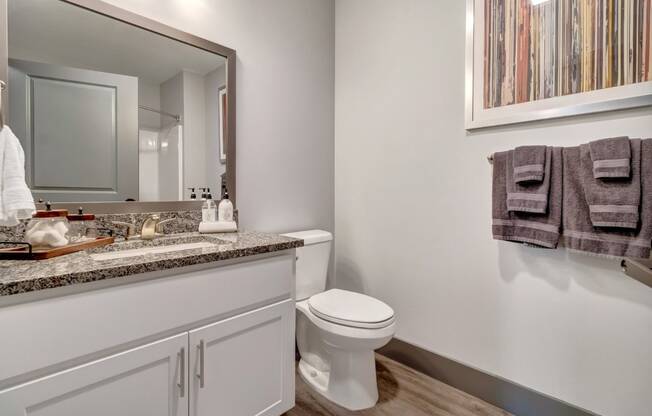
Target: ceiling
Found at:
55, 32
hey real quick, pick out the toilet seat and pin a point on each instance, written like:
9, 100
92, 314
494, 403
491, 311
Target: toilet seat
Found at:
351, 309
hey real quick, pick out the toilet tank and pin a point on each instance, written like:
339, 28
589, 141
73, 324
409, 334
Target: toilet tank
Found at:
312, 261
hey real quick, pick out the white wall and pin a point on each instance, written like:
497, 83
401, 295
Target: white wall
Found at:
149, 95
194, 131
285, 104
413, 220
169, 157
148, 166
213, 82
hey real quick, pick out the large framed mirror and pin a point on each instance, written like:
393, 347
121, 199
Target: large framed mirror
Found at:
113, 107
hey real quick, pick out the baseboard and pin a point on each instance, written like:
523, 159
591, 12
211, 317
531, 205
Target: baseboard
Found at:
516, 399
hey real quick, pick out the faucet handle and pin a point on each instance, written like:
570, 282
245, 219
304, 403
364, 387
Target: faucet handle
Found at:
130, 228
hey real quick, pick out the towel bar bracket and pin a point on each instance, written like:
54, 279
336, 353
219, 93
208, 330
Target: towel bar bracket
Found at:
640, 270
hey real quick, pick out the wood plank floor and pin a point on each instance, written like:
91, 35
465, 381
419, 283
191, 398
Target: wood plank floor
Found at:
403, 392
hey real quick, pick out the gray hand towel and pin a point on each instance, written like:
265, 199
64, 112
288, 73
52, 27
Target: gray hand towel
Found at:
613, 203
611, 157
578, 231
537, 229
528, 196
529, 163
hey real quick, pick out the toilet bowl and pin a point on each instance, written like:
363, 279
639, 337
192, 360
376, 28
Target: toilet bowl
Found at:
337, 330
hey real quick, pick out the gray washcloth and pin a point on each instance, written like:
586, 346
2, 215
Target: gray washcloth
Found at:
611, 157
578, 231
529, 163
537, 229
612, 203
528, 196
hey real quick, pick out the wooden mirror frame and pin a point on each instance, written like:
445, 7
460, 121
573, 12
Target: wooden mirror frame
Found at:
133, 19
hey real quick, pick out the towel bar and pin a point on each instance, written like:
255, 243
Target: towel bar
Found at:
640, 270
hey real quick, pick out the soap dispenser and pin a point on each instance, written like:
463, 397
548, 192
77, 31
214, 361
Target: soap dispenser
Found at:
208, 209
224, 223
193, 195
225, 208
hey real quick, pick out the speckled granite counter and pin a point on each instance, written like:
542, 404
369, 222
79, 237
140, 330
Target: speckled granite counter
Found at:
28, 276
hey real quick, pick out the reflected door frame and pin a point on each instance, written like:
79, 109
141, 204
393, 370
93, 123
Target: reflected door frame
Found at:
134, 19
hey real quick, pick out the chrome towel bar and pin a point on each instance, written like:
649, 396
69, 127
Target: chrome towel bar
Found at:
640, 270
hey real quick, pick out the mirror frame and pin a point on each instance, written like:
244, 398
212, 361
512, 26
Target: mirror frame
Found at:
142, 22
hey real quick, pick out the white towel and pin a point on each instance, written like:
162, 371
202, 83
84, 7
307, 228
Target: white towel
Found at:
16, 201
218, 227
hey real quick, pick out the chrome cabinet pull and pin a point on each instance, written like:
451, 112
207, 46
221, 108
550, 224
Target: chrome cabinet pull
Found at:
182, 373
200, 376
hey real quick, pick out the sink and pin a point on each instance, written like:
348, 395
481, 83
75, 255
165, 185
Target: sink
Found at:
160, 246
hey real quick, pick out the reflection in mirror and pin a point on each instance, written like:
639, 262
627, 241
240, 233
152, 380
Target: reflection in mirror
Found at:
107, 111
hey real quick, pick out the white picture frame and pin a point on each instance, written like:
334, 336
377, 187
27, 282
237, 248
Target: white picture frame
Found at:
478, 117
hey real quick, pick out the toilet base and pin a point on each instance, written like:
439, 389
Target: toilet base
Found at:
350, 382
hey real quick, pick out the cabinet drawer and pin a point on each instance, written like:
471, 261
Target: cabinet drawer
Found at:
244, 366
143, 381
73, 329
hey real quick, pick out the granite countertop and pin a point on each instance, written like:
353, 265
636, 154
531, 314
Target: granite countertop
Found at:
17, 276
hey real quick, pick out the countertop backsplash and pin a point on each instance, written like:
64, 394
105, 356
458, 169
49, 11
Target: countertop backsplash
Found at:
187, 222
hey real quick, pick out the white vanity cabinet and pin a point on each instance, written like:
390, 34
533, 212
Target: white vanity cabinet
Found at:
147, 380
216, 341
236, 364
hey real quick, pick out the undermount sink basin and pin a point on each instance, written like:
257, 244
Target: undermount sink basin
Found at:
144, 248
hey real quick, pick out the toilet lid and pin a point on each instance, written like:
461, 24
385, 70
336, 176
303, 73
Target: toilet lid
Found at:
351, 309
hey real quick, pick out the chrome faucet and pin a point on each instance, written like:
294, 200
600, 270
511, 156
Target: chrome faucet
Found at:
152, 227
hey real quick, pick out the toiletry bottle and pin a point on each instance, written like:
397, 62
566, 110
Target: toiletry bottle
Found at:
212, 214
208, 209
193, 195
225, 208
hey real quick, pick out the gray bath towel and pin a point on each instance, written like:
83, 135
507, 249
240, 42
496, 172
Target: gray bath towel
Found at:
611, 157
578, 231
528, 196
529, 163
613, 202
537, 229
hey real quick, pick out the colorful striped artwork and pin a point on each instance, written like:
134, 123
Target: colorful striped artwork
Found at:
537, 49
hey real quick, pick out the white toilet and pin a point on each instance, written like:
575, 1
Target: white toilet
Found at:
337, 330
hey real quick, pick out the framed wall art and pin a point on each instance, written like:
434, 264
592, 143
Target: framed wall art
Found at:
531, 60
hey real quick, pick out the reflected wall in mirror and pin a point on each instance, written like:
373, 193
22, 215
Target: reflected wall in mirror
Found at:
108, 111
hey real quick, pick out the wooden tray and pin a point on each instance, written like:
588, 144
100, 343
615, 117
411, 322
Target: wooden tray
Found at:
26, 252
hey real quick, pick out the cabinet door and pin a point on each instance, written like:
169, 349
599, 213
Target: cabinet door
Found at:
244, 366
147, 381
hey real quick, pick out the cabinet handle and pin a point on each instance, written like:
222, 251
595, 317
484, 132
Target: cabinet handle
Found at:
182, 373
200, 376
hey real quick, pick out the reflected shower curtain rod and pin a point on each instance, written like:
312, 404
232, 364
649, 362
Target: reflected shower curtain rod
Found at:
174, 116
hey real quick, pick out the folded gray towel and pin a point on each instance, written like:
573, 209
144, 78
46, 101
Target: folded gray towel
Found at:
537, 229
529, 163
612, 203
578, 231
528, 196
611, 157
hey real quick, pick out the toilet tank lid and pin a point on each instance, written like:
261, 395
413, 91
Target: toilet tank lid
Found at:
311, 236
